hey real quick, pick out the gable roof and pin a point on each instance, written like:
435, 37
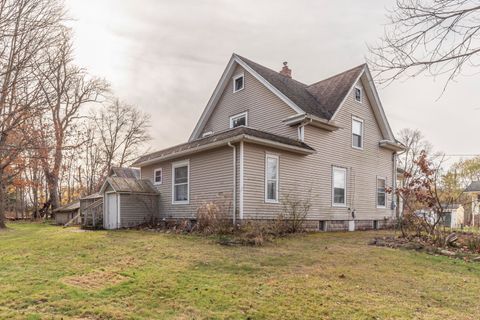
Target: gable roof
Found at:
322, 99
73, 206
129, 185
125, 172
222, 139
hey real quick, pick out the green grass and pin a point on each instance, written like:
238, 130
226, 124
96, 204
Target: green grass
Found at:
165, 276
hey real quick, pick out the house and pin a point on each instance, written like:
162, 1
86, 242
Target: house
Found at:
124, 200
68, 213
473, 190
265, 137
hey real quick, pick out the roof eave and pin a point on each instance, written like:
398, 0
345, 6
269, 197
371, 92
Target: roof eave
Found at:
312, 120
390, 145
224, 142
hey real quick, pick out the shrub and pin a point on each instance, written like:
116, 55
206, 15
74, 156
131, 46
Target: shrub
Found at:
213, 218
295, 211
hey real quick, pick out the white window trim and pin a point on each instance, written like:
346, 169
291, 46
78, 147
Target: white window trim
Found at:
363, 133
376, 192
177, 165
355, 96
267, 156
156, 183
239, 115
241, 75
344, 204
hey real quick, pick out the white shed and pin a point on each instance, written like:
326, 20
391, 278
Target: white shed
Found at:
128, 202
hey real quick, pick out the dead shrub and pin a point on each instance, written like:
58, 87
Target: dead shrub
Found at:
213, 218
294, 213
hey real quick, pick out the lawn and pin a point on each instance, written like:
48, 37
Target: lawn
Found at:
48, 272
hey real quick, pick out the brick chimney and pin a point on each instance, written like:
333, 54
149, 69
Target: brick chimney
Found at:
286, 71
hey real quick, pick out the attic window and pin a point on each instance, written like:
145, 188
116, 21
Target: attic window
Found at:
238, 83
358, 94
238, 120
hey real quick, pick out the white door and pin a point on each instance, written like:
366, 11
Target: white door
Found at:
111, 211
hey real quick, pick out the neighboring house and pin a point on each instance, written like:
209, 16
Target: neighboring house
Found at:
68, 212
265, 137
473, 190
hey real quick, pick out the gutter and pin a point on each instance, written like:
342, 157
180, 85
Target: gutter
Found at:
315, 121
213, 145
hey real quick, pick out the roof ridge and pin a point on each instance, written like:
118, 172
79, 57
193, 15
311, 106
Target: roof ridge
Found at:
338, 74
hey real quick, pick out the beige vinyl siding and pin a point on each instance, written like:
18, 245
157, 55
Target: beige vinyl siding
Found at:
311, 176
211, 179
265, 110
136, 209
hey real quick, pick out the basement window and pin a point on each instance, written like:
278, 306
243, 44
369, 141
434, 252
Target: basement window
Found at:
238, 83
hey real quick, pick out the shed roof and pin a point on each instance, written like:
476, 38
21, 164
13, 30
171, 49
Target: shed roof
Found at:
69, 207
95, 195
473, 187
123, 172
130, 185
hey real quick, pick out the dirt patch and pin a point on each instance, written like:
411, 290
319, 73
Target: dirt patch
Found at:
95, 280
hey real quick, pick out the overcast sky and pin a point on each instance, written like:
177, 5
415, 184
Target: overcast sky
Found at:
166, 58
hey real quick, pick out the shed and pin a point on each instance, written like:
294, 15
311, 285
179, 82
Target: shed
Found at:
68, 212
128, 202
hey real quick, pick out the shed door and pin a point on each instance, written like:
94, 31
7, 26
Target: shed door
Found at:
111, 211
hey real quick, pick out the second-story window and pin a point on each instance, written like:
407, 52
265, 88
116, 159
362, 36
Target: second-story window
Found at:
238, 120
357, 133
238, 82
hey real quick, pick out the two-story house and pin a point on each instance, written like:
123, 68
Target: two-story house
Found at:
264, 136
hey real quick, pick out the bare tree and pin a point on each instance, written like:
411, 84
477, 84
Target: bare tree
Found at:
66, 89
27, 27
123, 130
433, 37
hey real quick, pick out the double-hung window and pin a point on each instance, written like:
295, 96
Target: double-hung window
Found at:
381, 193
180, 181
157, 176
339, 187
238, 83
357, 133
271, 178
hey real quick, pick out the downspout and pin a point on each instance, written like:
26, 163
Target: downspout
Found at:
234, 182
301, 129
394, 185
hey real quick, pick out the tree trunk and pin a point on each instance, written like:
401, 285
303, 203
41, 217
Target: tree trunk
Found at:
2, 202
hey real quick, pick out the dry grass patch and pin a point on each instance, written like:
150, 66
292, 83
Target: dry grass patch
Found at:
95, 280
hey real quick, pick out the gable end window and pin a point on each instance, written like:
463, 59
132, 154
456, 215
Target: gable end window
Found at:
358, 94
238, 83
157, 176
381, 193
357, 133
271, 178
339, 187
239, 120
180, 182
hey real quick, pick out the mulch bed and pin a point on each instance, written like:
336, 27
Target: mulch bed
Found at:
459, 250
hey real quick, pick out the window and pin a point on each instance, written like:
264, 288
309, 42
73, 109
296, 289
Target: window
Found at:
339, 189
157, 176
357, 133
358, 94
238, 83
180, 175
238, 120
381, 193
271, 178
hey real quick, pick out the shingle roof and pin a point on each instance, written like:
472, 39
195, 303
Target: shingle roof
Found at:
473, 187
131, 185
221, 136
125, 172
69, 207
321, 99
